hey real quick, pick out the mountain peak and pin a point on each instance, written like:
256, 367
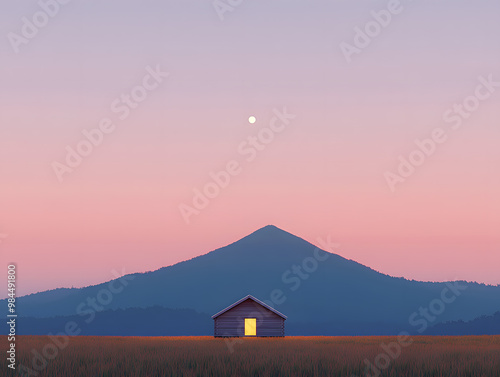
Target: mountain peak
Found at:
271, 235
270, 228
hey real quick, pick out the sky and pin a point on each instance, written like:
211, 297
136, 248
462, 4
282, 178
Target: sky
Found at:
340, 91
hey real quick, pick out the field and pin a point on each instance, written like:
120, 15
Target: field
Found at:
291, 356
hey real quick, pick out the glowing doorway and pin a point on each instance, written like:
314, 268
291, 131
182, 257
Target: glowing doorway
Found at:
250, 326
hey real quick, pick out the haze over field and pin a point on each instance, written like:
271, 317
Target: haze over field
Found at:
323, 174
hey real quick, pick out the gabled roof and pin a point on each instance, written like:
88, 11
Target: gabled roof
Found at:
253, 299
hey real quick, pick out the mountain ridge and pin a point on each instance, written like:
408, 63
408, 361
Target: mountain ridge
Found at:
249, 235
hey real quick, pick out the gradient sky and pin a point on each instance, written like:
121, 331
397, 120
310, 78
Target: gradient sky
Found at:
323, 175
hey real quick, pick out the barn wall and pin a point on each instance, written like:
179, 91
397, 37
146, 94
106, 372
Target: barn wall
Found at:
232, 322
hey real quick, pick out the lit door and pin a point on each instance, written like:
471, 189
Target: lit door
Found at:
250, 326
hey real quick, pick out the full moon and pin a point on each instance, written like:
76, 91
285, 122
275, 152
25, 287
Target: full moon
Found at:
252, 119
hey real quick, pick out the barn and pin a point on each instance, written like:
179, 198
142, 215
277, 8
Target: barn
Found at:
249, 317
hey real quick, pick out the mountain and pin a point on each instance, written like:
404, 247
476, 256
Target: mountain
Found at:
335, 296
484, 325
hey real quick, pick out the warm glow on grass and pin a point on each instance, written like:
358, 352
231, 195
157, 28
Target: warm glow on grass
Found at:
322, 356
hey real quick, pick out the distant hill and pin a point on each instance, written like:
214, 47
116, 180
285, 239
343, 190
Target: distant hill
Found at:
158, 321
336, 295
155, 321
484, 325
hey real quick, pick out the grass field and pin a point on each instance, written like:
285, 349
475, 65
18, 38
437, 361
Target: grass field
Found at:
290, 356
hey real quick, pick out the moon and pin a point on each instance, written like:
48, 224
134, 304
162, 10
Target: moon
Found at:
252, 119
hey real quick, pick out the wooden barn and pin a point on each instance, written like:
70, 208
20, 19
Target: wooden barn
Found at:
249, 317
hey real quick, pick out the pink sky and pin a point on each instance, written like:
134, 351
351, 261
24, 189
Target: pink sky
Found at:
323, 175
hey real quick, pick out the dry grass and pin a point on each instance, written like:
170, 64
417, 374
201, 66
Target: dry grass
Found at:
290, 356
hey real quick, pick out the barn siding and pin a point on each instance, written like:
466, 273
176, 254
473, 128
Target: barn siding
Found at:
232, 322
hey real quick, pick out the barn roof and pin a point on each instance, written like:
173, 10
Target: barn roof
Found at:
253, 299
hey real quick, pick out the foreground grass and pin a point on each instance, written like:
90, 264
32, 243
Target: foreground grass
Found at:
291, 356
